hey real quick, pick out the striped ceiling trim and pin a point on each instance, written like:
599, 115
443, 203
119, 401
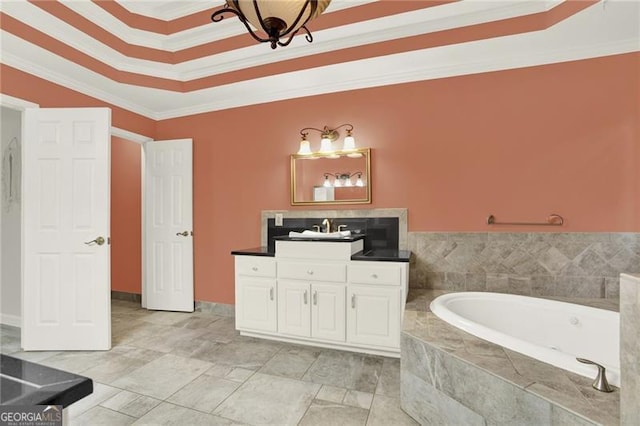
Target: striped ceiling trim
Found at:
498, 28
174, 47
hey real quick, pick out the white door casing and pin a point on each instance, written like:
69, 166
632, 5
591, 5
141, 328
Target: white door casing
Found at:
168, 221
65, 204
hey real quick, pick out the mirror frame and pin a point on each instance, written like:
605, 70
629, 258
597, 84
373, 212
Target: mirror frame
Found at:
365, 151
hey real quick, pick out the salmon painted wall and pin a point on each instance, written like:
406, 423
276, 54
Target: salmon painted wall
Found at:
519, 144
126, 223
47, 94
125, 169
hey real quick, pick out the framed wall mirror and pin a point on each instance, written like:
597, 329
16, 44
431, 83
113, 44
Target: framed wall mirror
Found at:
339, 178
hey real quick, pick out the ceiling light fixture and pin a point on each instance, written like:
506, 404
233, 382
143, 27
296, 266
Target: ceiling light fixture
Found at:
328, 136
277, 19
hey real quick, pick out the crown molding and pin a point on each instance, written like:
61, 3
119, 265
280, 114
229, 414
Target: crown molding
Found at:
407, 24
47, 73
169, 11
595, 32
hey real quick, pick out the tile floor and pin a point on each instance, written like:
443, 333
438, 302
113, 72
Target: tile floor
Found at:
169, 368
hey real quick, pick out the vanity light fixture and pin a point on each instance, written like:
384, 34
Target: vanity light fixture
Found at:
342, 180
274, 19
328, 136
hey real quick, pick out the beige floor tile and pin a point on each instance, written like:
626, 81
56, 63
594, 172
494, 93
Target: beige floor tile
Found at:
167, 414
164, 376
100, 393
358, 399
345, 370
292, 362
331, 394
204, 394
386, 411
265, 399
98, 416
323, 413
131, 404
389, 381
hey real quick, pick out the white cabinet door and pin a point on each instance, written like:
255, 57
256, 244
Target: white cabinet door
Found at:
294, 314
328, 312
256, 304
373, 316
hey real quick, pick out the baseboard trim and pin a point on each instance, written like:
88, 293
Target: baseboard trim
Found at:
122, 295
221, 309
12, 320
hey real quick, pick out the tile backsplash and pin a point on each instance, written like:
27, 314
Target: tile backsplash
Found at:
537, 264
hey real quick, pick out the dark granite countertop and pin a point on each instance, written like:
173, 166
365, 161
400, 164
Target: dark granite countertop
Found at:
28, 383
383, 255
379, 255
255, 251
322, 240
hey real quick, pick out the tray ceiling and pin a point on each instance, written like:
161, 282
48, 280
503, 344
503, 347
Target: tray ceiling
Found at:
165, 59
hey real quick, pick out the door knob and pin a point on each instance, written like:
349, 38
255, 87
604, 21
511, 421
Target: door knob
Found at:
99, 241
184, 234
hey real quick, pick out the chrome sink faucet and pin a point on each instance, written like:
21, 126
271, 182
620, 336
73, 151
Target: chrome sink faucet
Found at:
327, 225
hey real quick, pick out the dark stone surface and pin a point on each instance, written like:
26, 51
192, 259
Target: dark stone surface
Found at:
379, 232
383, 255
254, 251
27, 383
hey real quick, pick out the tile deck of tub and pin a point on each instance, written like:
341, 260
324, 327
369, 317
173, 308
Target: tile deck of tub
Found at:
472, 376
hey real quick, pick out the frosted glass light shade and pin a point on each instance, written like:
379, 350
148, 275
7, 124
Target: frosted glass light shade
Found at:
286, 10
326, 183
359, 182
305, 148
336, 183
349, 143
347, 182
326, 147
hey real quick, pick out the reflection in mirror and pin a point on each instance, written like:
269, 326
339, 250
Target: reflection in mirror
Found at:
340, 178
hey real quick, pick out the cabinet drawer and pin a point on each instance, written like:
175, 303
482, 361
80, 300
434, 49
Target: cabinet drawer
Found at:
255, 266
374, 273
312, 271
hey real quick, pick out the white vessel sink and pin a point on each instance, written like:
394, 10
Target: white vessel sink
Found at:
315, 234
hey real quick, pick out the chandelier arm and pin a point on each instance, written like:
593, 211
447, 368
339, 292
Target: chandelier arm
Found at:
218, 16
307, 36
258, 14
286, 43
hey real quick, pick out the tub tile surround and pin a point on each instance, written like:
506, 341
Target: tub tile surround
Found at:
629, 346
451, 377
585, 265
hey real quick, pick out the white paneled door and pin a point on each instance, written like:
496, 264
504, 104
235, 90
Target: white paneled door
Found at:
66, 303
169, 225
